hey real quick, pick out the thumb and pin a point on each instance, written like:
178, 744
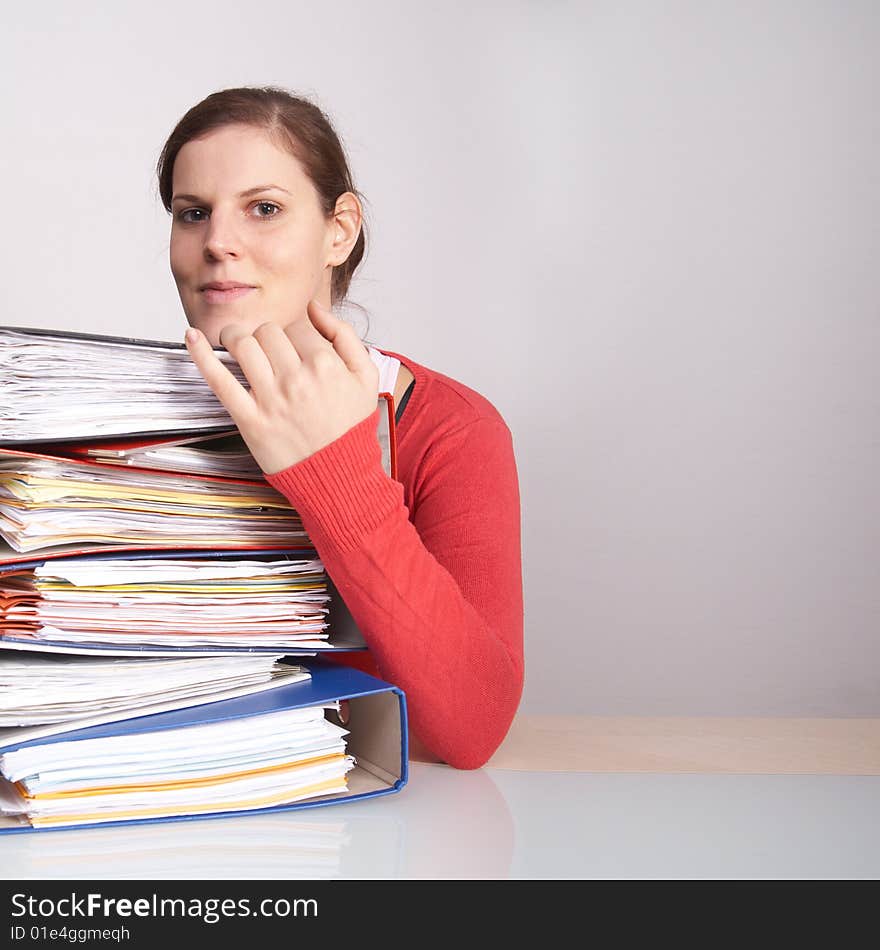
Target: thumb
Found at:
323, 320
343, 337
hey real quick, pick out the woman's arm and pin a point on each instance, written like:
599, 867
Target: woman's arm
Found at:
438, 598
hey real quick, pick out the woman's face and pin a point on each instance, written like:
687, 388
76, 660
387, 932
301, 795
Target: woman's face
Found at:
245, 212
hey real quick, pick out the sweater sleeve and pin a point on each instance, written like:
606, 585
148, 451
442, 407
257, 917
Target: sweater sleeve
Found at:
436, 592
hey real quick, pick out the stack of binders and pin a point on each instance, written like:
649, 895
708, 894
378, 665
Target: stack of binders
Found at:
157, 600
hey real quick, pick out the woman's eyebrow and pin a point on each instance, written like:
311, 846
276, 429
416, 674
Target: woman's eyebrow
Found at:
245, 194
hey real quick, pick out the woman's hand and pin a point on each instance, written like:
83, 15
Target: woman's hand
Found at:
310, 383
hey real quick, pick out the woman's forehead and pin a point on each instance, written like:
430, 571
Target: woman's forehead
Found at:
235, 158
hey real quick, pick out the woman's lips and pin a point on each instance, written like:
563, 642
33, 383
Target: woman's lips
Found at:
224, 296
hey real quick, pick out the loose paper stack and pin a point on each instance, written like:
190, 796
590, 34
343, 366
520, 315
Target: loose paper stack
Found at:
47, 688
275, 603
74, 386
224, 455
47, 503
239, 765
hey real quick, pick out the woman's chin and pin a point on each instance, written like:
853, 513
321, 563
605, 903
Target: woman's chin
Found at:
211, 334
213, 324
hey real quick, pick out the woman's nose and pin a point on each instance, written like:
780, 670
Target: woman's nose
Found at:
221, 237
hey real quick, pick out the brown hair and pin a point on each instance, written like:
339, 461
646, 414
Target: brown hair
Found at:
299, 126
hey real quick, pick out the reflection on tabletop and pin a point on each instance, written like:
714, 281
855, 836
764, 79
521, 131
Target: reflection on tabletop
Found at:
443, 824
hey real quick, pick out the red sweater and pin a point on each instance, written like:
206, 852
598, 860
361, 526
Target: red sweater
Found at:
429, 565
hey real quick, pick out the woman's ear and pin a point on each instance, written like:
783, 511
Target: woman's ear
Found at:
345, 228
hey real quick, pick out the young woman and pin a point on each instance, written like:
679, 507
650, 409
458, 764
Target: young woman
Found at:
266, 232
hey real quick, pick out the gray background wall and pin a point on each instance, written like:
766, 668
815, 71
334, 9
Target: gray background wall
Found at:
647, 231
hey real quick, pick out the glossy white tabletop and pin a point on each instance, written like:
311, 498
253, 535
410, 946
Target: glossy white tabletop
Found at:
495, 823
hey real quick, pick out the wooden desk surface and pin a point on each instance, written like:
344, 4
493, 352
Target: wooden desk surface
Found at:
685, 744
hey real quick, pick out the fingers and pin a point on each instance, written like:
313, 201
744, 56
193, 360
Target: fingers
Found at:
307, 341
236, 399
248, 353
276, 344
345, 341
263, 356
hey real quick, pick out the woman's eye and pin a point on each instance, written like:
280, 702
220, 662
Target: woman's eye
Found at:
186, 216
273, 209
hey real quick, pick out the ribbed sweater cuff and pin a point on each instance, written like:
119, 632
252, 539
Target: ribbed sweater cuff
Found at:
342, 492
